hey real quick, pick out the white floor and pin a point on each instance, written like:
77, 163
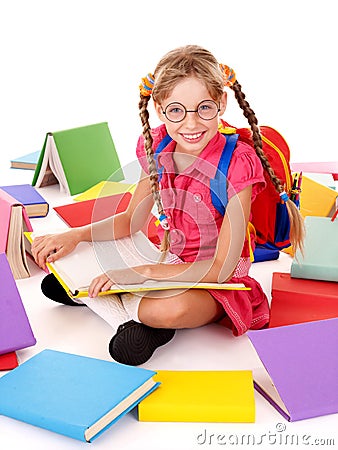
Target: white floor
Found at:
79, 330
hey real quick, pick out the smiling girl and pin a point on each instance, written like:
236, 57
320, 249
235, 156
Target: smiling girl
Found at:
188, 91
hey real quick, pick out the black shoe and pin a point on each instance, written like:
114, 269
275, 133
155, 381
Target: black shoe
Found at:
134, 343
52, 289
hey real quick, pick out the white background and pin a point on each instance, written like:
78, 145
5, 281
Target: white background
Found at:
70, 63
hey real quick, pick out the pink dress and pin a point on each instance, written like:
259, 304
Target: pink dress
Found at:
195, 223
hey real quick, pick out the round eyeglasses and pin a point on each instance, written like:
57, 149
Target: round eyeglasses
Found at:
176, 112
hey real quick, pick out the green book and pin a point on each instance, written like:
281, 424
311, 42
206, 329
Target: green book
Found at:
319, 260
77, 159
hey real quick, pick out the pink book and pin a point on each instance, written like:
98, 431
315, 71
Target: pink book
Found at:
330, 167
299, 375
6, 204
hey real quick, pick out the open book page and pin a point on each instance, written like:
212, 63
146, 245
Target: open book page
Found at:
76, 270
269, 390
89, 259
51, 168
15, 244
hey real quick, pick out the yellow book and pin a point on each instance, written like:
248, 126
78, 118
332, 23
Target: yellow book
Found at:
76, 270
316, 199
200, 396
104, 189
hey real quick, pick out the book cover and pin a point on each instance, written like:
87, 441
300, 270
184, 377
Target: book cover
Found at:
8, 361
316, 199
15, 330
90, 259
28, 161
26, 194
78, 159
330, 167
73, 395
105, 189
200, 396
297, 300
319, 261
89, 211
299, 373
14, 222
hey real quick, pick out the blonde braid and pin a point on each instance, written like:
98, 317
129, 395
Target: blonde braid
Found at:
296, 220
153, 175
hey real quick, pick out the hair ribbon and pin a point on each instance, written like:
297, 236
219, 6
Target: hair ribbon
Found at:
229, 76
146, 85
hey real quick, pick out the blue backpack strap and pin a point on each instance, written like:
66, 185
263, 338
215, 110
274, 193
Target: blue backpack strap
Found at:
218, 185
165, 141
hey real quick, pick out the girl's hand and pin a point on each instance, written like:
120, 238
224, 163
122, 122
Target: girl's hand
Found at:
112, 278
50, 247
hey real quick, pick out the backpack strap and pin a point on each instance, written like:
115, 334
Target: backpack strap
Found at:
218, 185
163, 143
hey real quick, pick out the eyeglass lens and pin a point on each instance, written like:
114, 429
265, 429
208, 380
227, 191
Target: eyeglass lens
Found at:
176, 112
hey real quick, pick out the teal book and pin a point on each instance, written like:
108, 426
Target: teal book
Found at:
319, 260
28, 161
73, 395
77, 159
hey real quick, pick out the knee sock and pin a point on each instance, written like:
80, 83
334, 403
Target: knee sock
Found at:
131, 304
110, 308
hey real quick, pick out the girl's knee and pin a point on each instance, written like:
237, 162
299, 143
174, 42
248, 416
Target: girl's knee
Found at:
163, 314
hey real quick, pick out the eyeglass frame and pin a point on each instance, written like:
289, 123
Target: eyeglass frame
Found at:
190, 110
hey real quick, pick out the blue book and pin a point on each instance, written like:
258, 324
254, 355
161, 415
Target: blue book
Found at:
35, 204
73, 395
28, 161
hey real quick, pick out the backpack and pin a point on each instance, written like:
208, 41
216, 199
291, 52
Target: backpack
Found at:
269, 213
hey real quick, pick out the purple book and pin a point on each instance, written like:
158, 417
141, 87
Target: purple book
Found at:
300, 373
15, 329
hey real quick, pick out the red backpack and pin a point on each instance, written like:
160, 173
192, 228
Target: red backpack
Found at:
269, 213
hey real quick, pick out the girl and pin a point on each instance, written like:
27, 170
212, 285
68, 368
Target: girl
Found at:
187, 89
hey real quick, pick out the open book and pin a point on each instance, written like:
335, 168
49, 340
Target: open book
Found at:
14, 222
90, 259
77, 159
299, 371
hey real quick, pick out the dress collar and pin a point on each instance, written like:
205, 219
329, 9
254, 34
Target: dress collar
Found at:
206, 163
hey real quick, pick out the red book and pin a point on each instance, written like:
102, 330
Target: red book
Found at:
8, 361
82, 213
296, 300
